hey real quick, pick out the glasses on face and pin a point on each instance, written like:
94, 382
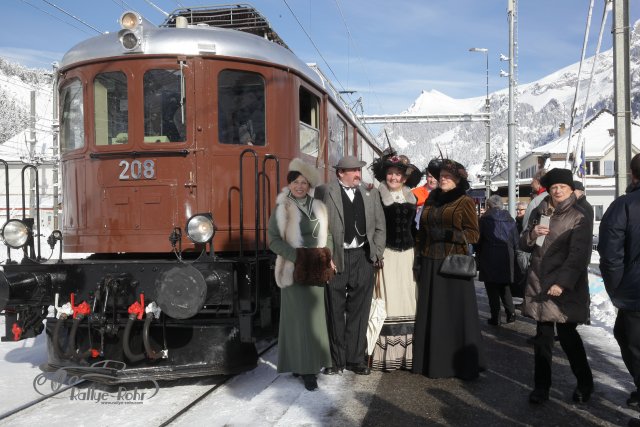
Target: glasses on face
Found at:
521, 210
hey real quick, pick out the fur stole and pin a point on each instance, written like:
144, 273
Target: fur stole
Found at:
387, 197
288, 217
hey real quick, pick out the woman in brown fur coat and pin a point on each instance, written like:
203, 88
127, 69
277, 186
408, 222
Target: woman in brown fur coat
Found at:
446, 341
300, 221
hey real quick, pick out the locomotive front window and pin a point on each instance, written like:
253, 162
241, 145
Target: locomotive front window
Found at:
241, 108
111, 108
309, 123
164, 107
71, 117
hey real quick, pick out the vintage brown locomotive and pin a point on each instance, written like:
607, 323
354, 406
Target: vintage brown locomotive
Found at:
172, 140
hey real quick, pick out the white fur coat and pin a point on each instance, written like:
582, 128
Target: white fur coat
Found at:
288, 218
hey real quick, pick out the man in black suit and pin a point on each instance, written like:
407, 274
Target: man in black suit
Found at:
356, 221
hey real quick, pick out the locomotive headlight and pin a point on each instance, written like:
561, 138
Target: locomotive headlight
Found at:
200, 228
15, 233
129, 39
130, 20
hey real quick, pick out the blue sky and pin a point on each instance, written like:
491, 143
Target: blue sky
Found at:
387, 51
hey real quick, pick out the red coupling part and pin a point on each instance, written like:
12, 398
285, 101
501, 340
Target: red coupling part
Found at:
17, 332
82, 309
95, 353
137, 309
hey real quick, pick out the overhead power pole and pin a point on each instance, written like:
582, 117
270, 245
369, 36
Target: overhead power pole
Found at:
621, 94
32, 153
511, 121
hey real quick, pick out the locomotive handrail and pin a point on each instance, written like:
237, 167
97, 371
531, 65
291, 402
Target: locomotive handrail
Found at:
257, 218
24, 206
264, 193
6, 195
157, 153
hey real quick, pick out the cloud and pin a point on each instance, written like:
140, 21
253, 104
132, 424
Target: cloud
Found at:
33, 58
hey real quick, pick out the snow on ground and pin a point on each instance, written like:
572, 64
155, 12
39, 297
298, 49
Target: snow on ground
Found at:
261, 397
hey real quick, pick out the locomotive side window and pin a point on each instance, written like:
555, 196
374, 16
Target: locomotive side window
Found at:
71, 117
241, 108
309, 122
111, 108
350, 151
164, 108
337, 135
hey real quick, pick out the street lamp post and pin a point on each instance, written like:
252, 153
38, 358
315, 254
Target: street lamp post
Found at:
487, 160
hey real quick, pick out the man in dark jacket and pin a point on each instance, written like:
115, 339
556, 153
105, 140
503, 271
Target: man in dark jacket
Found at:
619, 248
496, 258
358, 227
582, 199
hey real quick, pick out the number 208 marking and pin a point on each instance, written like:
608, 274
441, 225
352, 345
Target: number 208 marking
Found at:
137, 170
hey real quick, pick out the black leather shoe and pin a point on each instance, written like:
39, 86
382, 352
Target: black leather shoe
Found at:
511, 318
310, 382
582, 394
330, 370
359, 369
493, 321
538, 396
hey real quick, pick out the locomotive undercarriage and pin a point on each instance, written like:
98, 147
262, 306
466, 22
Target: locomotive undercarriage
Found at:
119, 320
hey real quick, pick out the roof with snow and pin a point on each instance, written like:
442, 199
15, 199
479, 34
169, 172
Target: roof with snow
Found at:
598, 134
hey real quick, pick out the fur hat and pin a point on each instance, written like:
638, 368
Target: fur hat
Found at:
308, 171
557, 176
577, 185
454, 168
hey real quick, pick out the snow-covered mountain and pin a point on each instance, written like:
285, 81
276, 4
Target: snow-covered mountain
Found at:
543, 106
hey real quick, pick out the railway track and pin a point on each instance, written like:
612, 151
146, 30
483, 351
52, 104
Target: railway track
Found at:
85, 386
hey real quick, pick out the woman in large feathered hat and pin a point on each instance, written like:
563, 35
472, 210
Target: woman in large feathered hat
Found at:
393, 349
447, 340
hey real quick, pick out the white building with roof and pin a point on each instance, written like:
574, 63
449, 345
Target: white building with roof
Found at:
599, 138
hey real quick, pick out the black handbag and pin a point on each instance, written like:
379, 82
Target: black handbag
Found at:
459, 265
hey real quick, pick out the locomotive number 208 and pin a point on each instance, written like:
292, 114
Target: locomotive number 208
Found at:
137, 169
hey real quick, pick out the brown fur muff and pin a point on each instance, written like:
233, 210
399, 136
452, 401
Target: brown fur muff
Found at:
313, 266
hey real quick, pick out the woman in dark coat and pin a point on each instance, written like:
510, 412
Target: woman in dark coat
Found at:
557, 292
496, 258
299, 220
447, 340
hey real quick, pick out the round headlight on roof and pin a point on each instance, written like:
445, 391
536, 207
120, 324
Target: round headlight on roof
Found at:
15, 233
129, 39
200, 228
130, 20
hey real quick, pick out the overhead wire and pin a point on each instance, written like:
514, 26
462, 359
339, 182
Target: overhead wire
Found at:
73, 16
314, 44
123, 5
344, 21
55, 17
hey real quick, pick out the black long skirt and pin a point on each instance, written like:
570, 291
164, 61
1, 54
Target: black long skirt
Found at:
447, 341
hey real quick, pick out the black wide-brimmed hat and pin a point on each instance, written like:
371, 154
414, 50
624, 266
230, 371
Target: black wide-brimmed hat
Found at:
454, 168
389, 159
